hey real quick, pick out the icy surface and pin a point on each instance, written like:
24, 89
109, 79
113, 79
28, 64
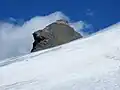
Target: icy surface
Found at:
91, 63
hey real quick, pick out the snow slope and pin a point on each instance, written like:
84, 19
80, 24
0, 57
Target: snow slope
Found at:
85, 64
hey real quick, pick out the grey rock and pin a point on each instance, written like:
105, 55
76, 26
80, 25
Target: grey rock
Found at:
53, 35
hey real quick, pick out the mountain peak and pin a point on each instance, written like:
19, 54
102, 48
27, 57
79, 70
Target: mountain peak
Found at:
53, 35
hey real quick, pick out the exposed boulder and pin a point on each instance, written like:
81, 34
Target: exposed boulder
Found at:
54, 34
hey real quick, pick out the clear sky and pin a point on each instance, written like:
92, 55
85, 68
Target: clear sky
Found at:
99, 13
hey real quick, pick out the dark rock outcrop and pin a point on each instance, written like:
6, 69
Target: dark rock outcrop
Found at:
54, 34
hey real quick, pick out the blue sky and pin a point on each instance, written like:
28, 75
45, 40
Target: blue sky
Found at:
99, 13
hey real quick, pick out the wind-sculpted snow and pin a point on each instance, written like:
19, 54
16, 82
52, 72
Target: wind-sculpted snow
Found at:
26, 57
91, 63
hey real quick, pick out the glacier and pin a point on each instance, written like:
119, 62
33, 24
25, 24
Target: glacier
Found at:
91, 63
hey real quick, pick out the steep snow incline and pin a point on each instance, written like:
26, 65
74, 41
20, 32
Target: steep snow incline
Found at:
87, 64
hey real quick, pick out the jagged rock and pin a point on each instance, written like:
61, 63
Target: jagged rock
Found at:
54, 34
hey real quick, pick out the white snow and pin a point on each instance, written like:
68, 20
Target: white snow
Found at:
91, 63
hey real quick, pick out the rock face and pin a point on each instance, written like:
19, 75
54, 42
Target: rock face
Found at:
53, 35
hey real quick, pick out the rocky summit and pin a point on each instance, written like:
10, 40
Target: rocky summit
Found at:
54, 34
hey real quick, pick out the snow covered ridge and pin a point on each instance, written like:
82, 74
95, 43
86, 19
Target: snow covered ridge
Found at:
92, 63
